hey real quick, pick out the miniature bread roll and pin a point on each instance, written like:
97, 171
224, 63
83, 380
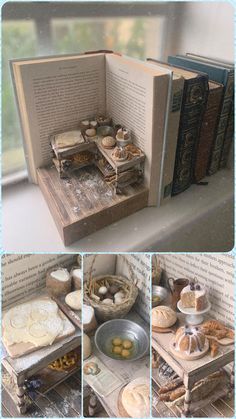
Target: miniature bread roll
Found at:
73, 300
108, 142
58, 282
163, 316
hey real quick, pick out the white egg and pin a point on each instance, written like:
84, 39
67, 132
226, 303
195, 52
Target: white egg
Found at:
119, 297
107, 301
102, 290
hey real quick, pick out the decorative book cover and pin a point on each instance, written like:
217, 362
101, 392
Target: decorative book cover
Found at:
208, 130
220, 74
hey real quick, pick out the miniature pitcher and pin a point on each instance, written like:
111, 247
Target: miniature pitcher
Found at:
176, 286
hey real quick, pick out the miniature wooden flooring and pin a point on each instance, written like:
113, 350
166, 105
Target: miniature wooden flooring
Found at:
223, 407
64, 400
85, 203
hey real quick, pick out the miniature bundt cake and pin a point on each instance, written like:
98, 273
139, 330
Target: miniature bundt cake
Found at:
189, 339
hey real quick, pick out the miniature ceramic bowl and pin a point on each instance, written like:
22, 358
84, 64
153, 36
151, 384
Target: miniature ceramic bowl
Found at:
105, 131
159, 294
125, 329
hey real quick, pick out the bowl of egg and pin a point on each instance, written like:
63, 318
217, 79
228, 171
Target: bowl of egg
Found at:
122, 340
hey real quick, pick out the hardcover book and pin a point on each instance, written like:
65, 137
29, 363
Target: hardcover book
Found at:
174, 102
54, 94
208, 131
221, 74
194, 99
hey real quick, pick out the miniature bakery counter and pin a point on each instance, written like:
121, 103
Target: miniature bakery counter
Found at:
125, 371
192, 371
46, 364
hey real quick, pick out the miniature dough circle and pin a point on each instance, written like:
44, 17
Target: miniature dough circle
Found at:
18, 322
37, 330
73, 300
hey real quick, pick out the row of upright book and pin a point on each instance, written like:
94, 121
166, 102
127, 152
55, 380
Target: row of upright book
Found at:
200, 131
180, 113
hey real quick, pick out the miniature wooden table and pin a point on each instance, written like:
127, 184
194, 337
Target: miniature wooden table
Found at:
24, 367
126, 371
192, 371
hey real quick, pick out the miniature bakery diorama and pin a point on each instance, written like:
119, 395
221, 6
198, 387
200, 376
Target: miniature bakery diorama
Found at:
41, 335
193, 335
116, 355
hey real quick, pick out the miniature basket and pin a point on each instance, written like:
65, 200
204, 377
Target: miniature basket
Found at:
113, 311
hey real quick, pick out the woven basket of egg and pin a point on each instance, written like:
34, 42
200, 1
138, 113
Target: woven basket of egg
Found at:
111, 296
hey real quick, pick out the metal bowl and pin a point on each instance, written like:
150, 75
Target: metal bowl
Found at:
125, 329
160, 292
105, 130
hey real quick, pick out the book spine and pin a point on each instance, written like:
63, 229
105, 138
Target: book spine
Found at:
229, 137
171, 138
193, 105
217, 150
207, 132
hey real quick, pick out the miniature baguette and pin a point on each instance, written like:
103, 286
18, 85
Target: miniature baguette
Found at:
171, 386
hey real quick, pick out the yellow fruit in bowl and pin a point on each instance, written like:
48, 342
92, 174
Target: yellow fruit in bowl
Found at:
127, 344
125, 353
117, 350
117, 341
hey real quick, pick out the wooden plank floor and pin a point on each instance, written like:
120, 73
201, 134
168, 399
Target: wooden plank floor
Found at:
64, 400
221, 408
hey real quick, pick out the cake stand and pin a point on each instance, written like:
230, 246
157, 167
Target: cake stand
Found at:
193, 317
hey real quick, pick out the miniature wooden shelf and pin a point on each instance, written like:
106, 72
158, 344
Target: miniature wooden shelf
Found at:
127, 371
191, 371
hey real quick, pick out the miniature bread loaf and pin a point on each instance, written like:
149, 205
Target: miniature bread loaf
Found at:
58, 282
163, 316
108, 142
73, 300
136, 398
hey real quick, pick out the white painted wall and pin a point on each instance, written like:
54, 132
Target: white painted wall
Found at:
205, 28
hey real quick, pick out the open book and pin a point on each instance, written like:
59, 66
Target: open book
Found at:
55, 93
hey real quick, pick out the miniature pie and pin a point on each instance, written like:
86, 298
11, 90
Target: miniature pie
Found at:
37, 322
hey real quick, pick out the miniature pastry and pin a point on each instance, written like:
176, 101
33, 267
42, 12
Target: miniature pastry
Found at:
217, 329
58, 282
64, 363
189, 339
38, 323
87, 348
132, 149
214, 347
194, 296
73, 300
136, 398
76, 275
108, 142
163, 317
119, 154
90, 132
68, 139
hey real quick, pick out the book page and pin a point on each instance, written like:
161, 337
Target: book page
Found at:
131, 98
23, 275
56, 95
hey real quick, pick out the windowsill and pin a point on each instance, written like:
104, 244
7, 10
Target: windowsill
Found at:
200, 219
